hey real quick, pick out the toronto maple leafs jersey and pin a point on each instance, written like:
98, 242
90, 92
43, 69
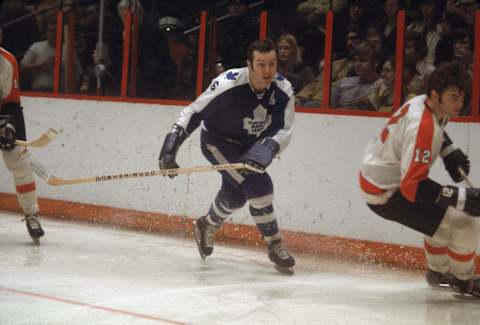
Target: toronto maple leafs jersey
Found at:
231, 109
400, 157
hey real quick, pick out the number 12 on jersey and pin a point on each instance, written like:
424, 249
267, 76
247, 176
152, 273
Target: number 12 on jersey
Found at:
422, 156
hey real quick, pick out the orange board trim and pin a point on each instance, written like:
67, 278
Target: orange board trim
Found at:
305, 243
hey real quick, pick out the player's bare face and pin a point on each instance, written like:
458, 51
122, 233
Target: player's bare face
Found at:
451, 101
262, 69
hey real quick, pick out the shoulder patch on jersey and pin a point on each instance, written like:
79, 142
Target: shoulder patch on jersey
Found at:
280, 77
231, 75
214, 85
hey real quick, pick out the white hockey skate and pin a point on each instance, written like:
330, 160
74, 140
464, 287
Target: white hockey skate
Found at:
34, 228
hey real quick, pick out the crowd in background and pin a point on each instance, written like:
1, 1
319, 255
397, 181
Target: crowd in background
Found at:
363, 58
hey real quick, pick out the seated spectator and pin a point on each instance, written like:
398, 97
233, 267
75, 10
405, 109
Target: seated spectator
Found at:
353, 92
237, 33
281, 19
375, 39
312, 94
38, 63
155, 68
468, 7
182, 57
290, 62
383, 95
429, 26
357, 13
416, 53
453, 19
462, 45
19, 36
312, 36
388, 26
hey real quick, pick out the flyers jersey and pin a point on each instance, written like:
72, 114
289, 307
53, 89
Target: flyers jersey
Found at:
401, 155
9, 78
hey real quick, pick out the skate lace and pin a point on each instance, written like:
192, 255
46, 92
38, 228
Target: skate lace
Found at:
31, 222
281, 252
209, 234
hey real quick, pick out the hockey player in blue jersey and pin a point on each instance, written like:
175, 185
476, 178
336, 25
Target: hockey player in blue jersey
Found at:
247, 116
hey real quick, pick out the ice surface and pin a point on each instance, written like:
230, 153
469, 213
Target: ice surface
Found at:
86, 274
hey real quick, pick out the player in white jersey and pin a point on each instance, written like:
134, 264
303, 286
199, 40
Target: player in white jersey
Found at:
246, 116
12, 127
395, 184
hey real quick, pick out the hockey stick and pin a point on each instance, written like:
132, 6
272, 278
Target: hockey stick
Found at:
40, 141
465, 177
43, 173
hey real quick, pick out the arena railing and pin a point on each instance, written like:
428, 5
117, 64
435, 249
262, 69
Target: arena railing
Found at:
201, 80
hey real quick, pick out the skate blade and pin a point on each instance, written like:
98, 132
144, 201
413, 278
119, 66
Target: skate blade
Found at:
196, 233
36, 241
440, 287
284, 269
466, 297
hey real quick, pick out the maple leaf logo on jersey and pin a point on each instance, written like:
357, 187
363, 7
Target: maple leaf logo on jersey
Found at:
231, 75
260, 122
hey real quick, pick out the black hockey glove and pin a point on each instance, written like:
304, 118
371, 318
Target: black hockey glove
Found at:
453, 159
467, 200
7, 133
260, 155
172, 142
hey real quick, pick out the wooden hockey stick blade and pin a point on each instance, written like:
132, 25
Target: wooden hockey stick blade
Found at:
53, 180
41, 141
465, 177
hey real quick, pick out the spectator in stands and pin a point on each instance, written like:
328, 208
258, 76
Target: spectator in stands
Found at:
453, 18
105, 60
429, 26
238, 32
357, 13
468, 7
416, 53
463, 53
38, 63
312, 94
290, 62
155, 68
18, 36
383, 95
182, 56
375, 39
281, 19
462, 45
353, 92
312, 37
388, 26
